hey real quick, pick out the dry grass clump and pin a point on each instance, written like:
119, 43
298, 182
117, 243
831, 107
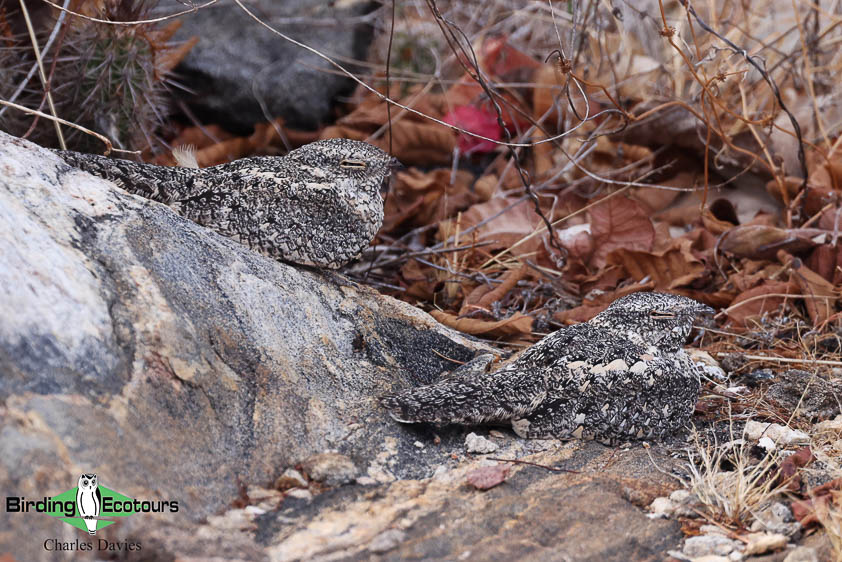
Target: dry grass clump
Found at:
729, 483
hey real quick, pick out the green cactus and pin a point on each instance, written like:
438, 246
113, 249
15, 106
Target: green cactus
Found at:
108, 78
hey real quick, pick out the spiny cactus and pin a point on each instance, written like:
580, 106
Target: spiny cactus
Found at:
108, 78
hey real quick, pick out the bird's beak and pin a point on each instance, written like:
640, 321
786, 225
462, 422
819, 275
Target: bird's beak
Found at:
393, 166
704, 310
705, 314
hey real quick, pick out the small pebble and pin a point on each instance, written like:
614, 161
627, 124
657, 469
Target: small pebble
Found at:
333, 469
711, 530
301, 494
680, 496
767, 443
478, 444
780, 434
704, 545
761, 543
662, 507
291, 478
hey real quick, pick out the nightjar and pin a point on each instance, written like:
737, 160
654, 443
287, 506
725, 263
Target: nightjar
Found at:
319, 205
622, 375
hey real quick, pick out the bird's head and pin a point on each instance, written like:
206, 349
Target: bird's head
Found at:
355, 166
660, 319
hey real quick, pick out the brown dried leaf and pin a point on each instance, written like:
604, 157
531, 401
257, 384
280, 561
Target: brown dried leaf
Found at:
169, 58
619, 222
807, 512
822, 260
484, 296
546, 111
659, 199
674, 267
486, 477
834, 168
412, 142
516, 325
763, 242
589, 309
419, 198
224, 151
715, 224
485, 187
820, 293
509, 227
788, 471
578, 242
753, 303
267, 135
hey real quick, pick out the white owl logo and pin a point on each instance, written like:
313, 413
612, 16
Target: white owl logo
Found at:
88, 501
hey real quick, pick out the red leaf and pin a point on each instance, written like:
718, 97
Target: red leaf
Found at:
476, 120
487, 477
788, 472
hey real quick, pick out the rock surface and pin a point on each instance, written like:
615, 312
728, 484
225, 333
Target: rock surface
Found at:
241, 73
177, 364
807, 394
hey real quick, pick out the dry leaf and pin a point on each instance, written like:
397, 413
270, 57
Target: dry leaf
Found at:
820, 294
506, 226
484, 296
752, 304
619, 222
589, 309
674, 267
486, 477
763, 242
418, 198
516, 325
788, 473
480, 121
807, 512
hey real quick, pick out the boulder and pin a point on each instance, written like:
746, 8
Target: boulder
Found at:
178, 365
174, 362
241, 73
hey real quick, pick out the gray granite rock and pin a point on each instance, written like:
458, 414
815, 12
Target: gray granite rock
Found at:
176, 363
241, 73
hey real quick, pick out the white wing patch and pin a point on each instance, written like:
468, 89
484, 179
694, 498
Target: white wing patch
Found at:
615, 365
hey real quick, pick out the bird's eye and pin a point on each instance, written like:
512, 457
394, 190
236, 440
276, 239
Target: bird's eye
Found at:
661, 315
352, 164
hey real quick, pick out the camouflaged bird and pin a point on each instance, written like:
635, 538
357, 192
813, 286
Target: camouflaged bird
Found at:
317, 205
623, 375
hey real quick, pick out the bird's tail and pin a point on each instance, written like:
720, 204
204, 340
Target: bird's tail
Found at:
503, 395
159, 183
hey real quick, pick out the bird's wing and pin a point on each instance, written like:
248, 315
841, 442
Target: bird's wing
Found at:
473, 396
612, 390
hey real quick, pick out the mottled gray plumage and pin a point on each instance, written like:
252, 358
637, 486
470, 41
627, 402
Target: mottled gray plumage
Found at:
622, 375
318, 205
